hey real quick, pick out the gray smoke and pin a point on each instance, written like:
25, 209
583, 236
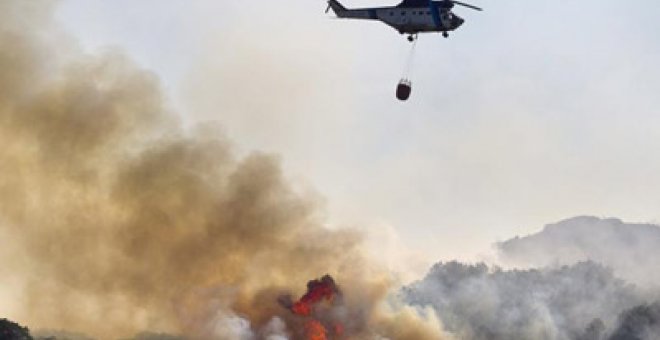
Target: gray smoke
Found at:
631, 250
586, 278
580, 301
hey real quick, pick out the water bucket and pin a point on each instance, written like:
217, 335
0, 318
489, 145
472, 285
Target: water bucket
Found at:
403, 89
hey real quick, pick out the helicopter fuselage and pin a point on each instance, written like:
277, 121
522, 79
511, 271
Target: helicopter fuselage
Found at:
406, 20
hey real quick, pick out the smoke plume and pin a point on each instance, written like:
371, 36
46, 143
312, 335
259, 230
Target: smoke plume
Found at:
115, 220
477, 302
631, 250
584, 301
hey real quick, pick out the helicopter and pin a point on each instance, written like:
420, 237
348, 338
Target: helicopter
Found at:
410, 17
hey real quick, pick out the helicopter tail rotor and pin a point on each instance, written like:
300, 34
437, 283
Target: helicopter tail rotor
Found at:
336, 7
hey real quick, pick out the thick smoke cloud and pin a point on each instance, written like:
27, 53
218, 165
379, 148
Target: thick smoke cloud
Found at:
115, 220
581, 301
631, 250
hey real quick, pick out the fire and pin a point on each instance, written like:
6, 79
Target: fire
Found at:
318, 326
314, 330
317, 290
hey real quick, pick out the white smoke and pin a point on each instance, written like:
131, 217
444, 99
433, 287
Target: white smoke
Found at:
478, 302
631, 250
276, 330
585, 278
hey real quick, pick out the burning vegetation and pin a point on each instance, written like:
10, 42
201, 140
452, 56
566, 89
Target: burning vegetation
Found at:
316, 307
318, 291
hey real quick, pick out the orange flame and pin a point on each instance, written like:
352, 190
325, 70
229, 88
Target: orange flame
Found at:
314, 330
317, 290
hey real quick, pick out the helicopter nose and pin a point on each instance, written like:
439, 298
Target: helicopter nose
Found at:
457, 22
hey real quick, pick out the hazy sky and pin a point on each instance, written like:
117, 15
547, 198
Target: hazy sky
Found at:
534, 111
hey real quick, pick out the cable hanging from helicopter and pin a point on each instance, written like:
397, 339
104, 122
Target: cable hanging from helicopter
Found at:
404, 88
410, 17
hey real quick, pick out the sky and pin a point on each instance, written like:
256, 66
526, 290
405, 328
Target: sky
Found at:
530, 113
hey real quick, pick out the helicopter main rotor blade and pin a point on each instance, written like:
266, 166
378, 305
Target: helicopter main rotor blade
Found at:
466, 5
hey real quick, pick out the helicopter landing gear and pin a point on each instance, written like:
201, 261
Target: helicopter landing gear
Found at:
412, 37
445, 34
